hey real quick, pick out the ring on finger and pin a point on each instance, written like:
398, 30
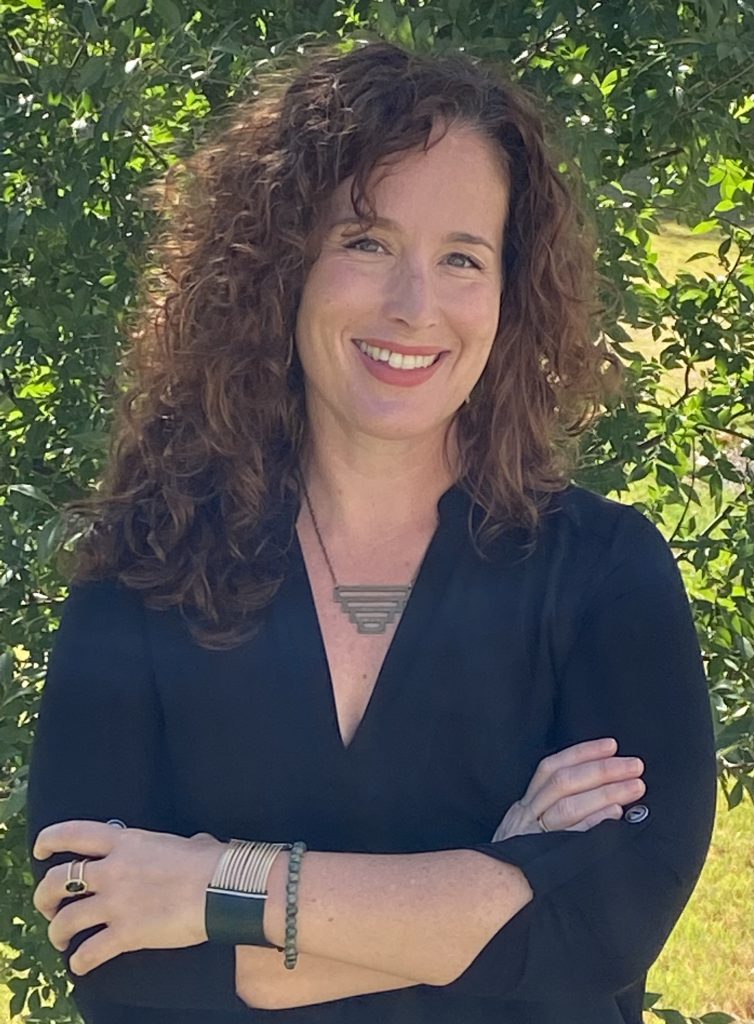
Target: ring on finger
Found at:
75, 881
540, 822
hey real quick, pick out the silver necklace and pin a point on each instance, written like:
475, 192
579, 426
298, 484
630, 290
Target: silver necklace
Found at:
370, 608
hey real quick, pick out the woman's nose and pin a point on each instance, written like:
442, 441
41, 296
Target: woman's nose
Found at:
411, 296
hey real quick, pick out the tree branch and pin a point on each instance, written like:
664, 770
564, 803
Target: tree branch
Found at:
714, 524
147, 145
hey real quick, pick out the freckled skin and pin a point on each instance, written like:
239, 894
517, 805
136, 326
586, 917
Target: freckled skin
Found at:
410, 285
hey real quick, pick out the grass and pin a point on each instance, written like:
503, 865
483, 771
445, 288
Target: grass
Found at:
676, 244
707, 964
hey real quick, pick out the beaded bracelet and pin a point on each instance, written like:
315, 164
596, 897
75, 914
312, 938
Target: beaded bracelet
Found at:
291, 903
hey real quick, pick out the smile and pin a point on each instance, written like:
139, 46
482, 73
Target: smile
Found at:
396, 360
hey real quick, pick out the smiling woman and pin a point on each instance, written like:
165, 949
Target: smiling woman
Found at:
346, 654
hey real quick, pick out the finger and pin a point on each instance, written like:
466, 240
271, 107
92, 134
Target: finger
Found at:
564, 760
88, 838
614, 812
51, 892
86, 912
97, 950
578, 778
569, 810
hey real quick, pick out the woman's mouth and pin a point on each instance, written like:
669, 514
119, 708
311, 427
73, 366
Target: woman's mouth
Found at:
396, 360
395, 368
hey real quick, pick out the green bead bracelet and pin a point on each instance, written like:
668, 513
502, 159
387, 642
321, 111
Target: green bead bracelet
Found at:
291, 903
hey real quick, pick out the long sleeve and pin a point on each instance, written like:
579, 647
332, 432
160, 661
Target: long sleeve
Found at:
98, 754
606, 900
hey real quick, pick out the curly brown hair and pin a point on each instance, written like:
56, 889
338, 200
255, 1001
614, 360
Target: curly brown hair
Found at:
209, 427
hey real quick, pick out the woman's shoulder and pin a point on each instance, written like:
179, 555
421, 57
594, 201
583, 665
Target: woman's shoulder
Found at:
606, 540
100, 593
592, 518
100, 608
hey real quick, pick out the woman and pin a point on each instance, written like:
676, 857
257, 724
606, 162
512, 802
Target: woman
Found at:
376, 617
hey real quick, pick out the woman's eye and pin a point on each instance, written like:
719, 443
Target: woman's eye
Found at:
361, 241
469, 260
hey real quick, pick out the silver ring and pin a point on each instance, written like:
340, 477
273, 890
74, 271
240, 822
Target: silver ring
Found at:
117, 822
541, 823
76, 883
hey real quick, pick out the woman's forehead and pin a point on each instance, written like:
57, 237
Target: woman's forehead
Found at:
458, 186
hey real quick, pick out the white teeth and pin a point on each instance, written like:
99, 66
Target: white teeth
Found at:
395, 359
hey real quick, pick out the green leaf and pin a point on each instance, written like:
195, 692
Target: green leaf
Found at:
49, 539
9, 808
127, 9
31, 492
700, 256
112, 117
7, 661
732, 733
19, 998
169, 13
666, 477
14, 223
92, 72
670, 1016
639, 472
404, 34
703, 226
92, 26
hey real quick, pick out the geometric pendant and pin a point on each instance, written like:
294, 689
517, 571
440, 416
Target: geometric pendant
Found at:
372, 608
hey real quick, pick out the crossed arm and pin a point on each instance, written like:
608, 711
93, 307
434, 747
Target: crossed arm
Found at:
366, 923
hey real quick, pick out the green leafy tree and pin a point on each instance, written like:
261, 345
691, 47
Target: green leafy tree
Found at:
654, 102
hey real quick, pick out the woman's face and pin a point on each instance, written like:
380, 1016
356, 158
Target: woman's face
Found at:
424, 283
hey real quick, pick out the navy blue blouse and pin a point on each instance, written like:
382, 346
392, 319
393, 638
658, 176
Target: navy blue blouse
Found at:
494, 664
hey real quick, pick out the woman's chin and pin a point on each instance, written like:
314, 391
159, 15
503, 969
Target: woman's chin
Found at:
400, 426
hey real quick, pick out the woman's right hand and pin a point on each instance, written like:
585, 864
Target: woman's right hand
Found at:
575, 789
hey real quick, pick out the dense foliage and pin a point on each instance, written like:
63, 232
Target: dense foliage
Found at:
655, 101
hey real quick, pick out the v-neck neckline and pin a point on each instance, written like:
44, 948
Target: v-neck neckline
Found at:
308, 648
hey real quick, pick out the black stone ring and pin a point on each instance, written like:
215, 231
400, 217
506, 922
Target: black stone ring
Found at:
76, 884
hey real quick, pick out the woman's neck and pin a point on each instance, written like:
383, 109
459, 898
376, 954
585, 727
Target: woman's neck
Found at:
368, 488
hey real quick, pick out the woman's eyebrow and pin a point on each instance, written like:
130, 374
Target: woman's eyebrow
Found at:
391, 225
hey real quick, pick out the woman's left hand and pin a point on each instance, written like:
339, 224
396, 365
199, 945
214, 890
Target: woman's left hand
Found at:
147, 888
577, 788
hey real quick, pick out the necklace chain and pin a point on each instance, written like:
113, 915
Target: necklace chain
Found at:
319, 535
